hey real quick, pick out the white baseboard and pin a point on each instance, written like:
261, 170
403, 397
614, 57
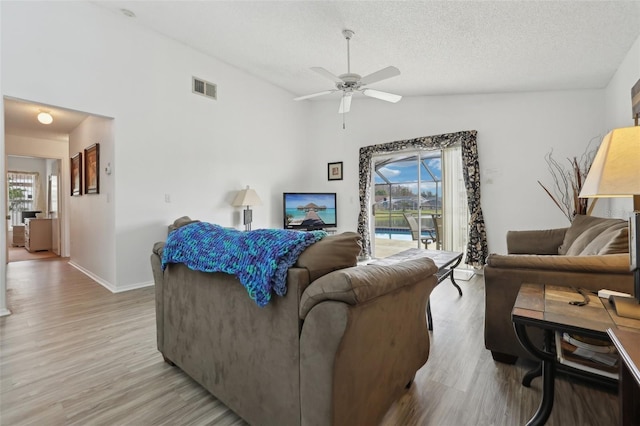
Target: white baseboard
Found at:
4, 312
108, 285
134, 286
94, 277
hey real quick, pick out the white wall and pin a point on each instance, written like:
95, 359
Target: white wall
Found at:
515, 131
618, 103
28, 164
3, 196
166, 139
92, 216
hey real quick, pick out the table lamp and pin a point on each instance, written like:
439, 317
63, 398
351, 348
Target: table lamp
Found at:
247, 197
615, 172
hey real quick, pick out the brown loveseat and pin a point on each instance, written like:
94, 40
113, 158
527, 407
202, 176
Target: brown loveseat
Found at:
591, 254
337, 349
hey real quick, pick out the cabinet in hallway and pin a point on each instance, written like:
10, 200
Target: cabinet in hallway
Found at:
37, 234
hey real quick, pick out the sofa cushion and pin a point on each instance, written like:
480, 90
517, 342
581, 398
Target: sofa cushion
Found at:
592, 235
609, 264
334, 252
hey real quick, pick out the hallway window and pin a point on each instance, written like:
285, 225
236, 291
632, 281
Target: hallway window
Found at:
21, 191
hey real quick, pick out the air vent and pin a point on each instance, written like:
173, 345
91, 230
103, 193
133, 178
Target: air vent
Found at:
204, 88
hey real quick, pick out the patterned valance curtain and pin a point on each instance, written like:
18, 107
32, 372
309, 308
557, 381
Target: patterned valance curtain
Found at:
477, 242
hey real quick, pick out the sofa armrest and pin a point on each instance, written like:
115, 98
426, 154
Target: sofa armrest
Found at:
602, 264
544, 241
363, 283
158, 277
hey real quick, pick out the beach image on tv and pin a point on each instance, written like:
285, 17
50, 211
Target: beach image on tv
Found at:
310, 210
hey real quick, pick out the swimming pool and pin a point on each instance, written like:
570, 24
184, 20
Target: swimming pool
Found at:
398, 234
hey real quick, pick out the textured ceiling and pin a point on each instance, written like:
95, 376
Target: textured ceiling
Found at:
440, 47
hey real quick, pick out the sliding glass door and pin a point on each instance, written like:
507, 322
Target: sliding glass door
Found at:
416, 201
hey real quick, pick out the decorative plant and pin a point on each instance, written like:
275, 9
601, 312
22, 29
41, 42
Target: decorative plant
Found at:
568, 180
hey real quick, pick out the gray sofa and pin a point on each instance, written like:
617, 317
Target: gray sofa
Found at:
338, 349
593, 253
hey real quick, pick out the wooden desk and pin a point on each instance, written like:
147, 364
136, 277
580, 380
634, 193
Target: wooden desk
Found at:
628, 345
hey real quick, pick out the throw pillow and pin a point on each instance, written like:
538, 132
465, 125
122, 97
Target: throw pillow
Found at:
612, 241
583, 230
330, 253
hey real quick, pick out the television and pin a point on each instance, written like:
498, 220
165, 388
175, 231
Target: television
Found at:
309, 210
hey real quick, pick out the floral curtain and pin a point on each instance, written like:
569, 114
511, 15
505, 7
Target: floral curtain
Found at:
477, 242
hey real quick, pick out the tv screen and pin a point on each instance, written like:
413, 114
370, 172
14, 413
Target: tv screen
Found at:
309, 210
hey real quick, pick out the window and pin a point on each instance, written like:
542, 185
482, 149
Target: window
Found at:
21, 191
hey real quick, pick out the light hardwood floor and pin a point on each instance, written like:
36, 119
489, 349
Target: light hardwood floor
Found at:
72, 353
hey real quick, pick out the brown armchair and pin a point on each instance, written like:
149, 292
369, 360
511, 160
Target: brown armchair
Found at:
592, 254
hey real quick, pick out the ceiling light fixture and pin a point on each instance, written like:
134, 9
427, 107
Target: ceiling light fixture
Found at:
45, 118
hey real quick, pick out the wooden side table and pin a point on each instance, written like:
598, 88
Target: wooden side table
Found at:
628, 345
550, 309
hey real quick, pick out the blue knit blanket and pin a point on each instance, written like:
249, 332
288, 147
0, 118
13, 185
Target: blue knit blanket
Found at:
260, 259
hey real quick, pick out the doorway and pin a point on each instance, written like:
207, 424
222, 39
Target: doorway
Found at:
28, 141
476, 248
33, 226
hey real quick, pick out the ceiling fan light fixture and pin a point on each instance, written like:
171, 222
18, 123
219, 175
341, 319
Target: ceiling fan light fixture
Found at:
45, 118
349, 83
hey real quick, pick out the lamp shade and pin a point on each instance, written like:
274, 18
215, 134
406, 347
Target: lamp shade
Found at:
246, 197
615, 171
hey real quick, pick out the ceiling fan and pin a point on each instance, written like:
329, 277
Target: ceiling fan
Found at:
350, 82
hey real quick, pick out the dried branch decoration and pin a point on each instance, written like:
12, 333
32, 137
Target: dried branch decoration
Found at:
567, 182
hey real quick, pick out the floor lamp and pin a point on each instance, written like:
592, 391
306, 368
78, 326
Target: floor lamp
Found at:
615, 172
247, 198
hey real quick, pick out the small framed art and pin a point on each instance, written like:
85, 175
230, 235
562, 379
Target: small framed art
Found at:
335, 171
76, 174
92, 169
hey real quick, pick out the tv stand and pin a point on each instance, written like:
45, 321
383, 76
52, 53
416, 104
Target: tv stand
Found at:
329, 231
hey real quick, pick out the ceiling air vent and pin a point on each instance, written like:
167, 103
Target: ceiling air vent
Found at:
204, 88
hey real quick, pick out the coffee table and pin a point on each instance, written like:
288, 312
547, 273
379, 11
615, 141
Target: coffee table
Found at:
547, 307
446, 261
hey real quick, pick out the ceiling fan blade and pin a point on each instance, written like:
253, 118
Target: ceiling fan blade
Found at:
323, 72
382, 74
345, 103
389, 97
313, 95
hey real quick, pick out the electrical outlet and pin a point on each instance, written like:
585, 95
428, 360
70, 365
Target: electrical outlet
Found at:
167, 198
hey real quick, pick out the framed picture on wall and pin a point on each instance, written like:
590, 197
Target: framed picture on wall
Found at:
335, 171
92, 169
76, 174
